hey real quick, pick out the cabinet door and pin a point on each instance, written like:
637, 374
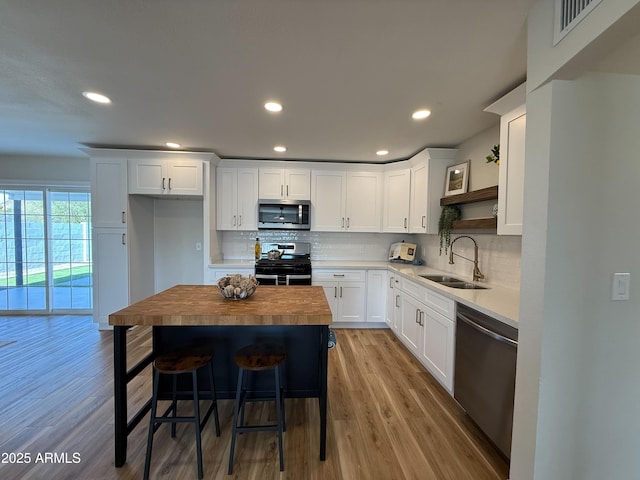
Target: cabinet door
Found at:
297, 184
364, 202
328, 201
184, 177
396, 201
511, 173
352, 304
392, 300
109, 192
331, 292
376, 295
271, 183
438, 346
226, 198
247, 199
147, 177
418, 200
110, 272
410, 329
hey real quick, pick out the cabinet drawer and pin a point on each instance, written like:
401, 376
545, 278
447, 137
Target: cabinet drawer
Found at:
412, 288
441, 304
339, 275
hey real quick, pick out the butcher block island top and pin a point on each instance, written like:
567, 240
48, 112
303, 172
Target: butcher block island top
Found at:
204, 305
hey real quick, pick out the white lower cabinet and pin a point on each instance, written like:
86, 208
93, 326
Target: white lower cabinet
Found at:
376, 296
346, 293
424, 322
110, 272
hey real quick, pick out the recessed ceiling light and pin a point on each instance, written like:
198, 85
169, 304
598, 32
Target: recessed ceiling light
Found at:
96, 97
420, 114
273, 106
173, 145
382, 152
280, 148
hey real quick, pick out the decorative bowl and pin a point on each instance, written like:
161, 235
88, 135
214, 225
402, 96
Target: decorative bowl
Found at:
237, 286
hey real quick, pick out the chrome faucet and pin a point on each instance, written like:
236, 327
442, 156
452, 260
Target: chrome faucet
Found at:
477, 274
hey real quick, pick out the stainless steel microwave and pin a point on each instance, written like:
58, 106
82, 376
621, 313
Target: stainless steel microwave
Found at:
284, 215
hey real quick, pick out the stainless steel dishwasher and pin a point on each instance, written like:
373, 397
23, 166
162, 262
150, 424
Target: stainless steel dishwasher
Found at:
485, 373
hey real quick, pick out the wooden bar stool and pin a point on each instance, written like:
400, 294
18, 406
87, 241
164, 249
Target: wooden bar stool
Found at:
174, 364
254, 358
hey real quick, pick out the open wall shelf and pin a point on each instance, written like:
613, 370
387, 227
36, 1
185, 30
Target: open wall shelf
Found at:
482, 195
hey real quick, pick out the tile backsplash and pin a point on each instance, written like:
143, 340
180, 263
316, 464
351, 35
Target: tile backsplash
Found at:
499, 256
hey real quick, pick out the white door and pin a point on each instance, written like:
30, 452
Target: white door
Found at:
418, 200
247, 199
364, 202
297, 184
110, 272
352, 302
147, 177
328, 201
184, 177
438, 346
109, 192
511, 173
226, 198
396, 201
376, 295
410, 329
271, 183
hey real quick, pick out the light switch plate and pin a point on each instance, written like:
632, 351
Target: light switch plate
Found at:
620, 284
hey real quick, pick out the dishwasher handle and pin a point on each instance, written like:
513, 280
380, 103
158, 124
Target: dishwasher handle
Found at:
486, 331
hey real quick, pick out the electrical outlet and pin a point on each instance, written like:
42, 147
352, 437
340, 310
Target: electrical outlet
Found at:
198, 246
620, 284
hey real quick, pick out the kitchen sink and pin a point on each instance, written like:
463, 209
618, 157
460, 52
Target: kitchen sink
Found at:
441, 278
453, 282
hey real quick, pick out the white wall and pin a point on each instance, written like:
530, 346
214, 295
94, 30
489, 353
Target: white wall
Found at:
44, 169
582, 344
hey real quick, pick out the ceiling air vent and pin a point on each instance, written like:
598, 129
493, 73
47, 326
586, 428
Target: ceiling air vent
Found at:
568, 15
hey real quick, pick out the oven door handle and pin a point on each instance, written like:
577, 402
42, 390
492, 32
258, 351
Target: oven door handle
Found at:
296, 277
486, 331
267, 277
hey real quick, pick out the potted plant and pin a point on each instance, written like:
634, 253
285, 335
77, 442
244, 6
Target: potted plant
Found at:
495, 155
448, 214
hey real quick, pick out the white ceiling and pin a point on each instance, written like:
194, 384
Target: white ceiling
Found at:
348, 72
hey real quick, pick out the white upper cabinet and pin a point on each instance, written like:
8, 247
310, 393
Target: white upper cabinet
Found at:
285, 184
346, 201
236, 198
165, 177
396, 201
418, 199
109, 192
363, 202
513, 122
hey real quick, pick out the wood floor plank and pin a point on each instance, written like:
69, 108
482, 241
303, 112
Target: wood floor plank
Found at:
388, 418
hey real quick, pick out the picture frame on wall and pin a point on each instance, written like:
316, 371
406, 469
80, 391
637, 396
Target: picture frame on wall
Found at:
457, 179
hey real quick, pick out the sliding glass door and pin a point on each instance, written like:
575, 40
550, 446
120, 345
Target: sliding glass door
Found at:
45, 250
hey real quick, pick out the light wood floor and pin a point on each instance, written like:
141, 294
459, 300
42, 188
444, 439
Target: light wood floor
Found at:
387, 417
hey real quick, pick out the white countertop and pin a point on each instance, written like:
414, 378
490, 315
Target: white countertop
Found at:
498, 302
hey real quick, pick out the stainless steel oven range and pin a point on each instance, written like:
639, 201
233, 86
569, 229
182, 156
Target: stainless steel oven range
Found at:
284, 264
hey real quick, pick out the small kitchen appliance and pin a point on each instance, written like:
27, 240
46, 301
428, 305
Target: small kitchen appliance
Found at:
402, 252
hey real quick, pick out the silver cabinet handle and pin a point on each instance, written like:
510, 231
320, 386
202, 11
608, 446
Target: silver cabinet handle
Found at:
397, 298
169, 183
417, 316
124, 238
239, 220
163, 179
340, 292
282, 190
390, 282
335, 292
341, 275
405, 222
348, 221
234, 220
421, 322
124, 217
424, 217
287, 190
342, 222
